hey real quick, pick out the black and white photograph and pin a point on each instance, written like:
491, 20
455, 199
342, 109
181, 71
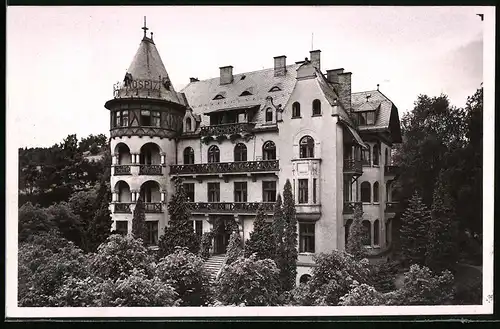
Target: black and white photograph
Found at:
217, 161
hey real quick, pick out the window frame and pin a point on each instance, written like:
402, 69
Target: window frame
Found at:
375, 156
366, 152
152, 232
296, 110
213, 154
240, 192
269, 151
188, 156
240, 153
303, 197
269, 191
188, 124
213, 192
316, 108
121, 231
307, 238
363, 191
376, 192
306, 147
367, 237
189, 189
376, 232
269, 115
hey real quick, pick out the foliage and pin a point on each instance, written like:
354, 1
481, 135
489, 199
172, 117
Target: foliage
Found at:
234, 248
355, 245
185, 272
383, 275
414, 231
363, 295
206, 244
119, 256
33, 220
289, 271
250, 281
279, 238
179, 232
67, 222
139, 221
99, 228
442, 247
261, 242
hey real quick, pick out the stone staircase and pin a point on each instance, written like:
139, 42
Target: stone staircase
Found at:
214, 264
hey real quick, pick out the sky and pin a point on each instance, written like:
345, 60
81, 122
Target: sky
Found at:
62, 62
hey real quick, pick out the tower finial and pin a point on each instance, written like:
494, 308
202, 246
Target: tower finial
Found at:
145, 28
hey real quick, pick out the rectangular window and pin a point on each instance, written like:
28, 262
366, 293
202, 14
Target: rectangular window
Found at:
122, 227
269, 191
125, 118
314, 190
213, 192
240, 191
370, 118
303, 191
189, 190
306, 233
198, 227
152, 232
156, 119
145, 118
118, 119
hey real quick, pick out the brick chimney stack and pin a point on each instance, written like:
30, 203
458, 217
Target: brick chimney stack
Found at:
226, 75
279, 66
315, 56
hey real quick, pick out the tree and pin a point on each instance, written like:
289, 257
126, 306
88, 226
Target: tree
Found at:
179, 232
355, 245
184, 271
234, 248
99, 228
414, 231
261, 240
249, 281
290, 238
279, 237
67, 222
442, 247
139, 221
32, 221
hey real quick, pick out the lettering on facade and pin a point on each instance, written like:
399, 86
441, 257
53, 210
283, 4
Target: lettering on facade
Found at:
134, 86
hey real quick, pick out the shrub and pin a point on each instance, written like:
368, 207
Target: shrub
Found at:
362, 295
382, 276
261, 240
234, 248
33, 220
206, 243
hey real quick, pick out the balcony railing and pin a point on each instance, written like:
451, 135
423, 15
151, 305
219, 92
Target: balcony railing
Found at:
150, 169
227, 129
349, 207
153, 207
122, 207
122, 170
352, 166
391, 170
229, 207
391, 207
225, 167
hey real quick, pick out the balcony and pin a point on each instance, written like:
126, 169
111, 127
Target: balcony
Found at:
225, 167
391, 170
153, 207
122, 170
349, 207
227, 129
391, 207
122, 207
229, 207
150, 169
353, 167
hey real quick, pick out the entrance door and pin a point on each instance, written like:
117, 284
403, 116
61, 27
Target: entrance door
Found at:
221, 242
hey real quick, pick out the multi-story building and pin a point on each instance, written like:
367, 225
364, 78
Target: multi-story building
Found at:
235, 139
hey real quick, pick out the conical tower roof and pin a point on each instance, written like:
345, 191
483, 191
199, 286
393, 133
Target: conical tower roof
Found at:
146, 76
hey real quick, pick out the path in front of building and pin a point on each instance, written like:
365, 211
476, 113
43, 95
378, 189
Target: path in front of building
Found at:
214, 264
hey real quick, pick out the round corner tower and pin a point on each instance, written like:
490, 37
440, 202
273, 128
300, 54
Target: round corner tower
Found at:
146, 116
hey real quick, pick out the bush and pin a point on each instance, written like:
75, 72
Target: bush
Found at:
250, 281
234, 248
382, 276
185, 272
362, 295
33, 220
205, 244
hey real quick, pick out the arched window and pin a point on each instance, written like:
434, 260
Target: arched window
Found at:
365, 156
306, 147
387, 157
304, 278
375, 192
375, 155
240, 152
213, 154
269, 114
316, 107
376, 232
365, 192
269, 151
367, 236
296, 110
188, 124
188, 155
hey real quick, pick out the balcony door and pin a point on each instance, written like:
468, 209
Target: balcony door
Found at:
222, 234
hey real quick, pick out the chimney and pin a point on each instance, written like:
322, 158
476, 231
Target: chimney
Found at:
333, 75
193, 80
226, 75
315, 58
279, 66
344, 90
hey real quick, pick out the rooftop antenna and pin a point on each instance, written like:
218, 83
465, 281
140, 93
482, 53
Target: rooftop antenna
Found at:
378, 86
145, 27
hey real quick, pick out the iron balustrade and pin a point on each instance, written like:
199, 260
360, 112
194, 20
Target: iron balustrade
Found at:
122, 170
391, 170
122, 207
353, 166
225, 167
150, 169
227, 129
349, 207
230, 207
153, 207
391, 207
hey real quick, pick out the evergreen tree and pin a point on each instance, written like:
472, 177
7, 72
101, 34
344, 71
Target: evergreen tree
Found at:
179, 232
261, 239
139, 221
234, 248
100, 226
356, 234
279, 239
442, 248
290, 240
414, 230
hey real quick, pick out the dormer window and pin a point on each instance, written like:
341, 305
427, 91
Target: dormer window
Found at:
269, 114
275, 88
366, 118
246, 93
188, 124
219, 96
